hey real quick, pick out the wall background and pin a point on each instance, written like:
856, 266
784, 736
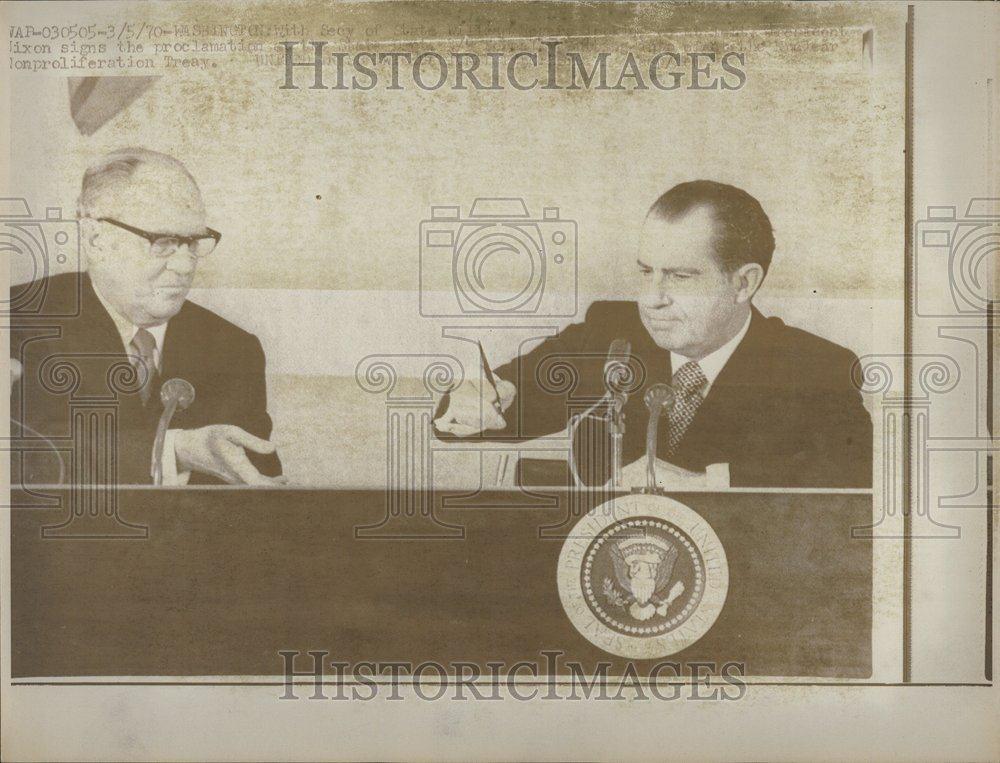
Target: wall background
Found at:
320, 194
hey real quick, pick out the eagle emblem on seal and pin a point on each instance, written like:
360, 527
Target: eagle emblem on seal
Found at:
642, 576
643, 566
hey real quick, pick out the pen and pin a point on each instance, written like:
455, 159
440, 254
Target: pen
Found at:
489, 376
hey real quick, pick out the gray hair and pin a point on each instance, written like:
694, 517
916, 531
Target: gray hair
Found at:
118, 167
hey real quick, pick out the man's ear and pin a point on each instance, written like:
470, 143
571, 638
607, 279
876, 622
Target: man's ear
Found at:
747, 279
91, 240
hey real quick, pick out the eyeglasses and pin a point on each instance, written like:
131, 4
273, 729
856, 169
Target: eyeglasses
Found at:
163, 245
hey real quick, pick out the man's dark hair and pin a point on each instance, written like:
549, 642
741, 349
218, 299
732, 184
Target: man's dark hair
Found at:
743, 232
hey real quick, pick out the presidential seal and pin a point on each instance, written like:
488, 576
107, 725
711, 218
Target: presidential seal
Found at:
643, 576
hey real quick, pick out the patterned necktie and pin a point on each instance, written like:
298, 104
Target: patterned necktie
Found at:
688, 383
143, 345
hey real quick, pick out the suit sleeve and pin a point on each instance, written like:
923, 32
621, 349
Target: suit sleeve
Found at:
545, 377
843, 435
253, 416
241, 400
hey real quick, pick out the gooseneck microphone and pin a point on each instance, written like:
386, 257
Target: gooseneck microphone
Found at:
175, 394
616, 368
617, 376
658, 398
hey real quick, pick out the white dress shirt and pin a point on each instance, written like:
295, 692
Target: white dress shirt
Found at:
713, 363
127, 330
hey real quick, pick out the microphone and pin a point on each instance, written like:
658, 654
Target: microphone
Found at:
175, 394
616, 369
657, 399
616, 375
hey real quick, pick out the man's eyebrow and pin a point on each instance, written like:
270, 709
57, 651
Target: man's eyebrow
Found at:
687, 271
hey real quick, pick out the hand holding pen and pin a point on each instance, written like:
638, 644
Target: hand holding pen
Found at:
476, 406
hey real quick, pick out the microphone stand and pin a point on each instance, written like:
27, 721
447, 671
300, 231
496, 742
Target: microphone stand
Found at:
617, 436
574, 424
657, 398
617, 376
174, 394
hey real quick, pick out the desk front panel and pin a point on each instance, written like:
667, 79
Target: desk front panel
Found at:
225, 579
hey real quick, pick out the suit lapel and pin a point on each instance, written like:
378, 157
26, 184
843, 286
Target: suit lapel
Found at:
102, 336
99, 331
95, 335
172, 360
724, 410
183, 358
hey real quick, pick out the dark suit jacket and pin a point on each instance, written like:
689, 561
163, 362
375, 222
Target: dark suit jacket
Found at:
783, 412
224, 363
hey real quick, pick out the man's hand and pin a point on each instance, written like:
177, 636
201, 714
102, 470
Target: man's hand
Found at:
218, 450
474, 407
668, 476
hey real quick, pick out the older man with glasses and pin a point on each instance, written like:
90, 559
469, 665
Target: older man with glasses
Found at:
142, 234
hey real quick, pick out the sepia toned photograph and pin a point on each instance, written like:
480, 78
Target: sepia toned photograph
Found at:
384, 373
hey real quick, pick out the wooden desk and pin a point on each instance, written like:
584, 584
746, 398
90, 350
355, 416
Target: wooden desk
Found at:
228, 578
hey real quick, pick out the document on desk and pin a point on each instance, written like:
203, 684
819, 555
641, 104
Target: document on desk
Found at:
500, 381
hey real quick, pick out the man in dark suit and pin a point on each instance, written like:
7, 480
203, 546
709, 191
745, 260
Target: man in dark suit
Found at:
123, 327
775, 405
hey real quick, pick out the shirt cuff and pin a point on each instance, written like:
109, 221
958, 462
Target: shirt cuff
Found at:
171, 477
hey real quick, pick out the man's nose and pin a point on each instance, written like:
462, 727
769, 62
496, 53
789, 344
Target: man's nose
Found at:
658, 293
182, 261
